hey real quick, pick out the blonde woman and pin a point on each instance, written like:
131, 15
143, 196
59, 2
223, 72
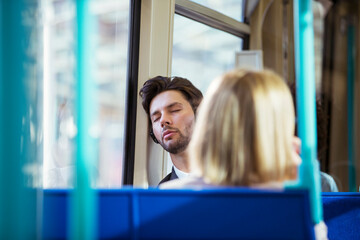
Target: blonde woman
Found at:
244, 134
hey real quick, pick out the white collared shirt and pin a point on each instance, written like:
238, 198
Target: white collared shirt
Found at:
180, 173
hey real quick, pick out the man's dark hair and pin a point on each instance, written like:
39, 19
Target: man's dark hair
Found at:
159, 84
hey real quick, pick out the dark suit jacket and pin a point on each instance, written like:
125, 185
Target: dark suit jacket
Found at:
170, 176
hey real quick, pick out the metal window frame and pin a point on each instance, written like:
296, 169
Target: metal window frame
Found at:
131, 92
211, 18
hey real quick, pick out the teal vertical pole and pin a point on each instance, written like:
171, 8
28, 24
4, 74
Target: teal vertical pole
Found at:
1, 102
84, 202
18, 206
309, 174
351, 56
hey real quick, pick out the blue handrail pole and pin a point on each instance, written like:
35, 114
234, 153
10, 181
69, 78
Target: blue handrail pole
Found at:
18, 199
309, 174
84, 207
351, 58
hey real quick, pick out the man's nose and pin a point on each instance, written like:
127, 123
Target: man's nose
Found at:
165, 120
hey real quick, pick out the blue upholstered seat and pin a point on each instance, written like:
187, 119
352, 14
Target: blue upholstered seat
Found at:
342, 215
233, 213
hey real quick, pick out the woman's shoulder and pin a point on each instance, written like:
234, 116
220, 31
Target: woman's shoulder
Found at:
190, 182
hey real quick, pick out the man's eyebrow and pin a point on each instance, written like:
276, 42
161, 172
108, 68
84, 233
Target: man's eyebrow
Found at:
168, 106
154, 113
174, 104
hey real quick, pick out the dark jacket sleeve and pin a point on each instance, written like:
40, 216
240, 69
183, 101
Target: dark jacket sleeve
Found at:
169, 177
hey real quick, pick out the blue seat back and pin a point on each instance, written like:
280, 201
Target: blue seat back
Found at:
342, 215
114, 214
223, 214
188, 214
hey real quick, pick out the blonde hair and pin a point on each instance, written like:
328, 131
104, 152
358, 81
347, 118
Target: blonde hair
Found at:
244, 130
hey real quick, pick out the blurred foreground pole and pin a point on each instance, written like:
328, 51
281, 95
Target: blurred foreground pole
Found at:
19, 169
309, 174
83, 221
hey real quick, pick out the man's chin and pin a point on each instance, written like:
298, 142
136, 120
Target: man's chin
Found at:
168, 147
169, 143
174, 149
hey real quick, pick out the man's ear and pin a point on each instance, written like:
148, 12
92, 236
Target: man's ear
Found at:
152, 135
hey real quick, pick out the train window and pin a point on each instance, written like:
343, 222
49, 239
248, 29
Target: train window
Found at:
206, 39
110, 28
201, 52
59, 93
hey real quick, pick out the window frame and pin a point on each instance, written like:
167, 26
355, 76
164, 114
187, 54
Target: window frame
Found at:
131, 92
211, 18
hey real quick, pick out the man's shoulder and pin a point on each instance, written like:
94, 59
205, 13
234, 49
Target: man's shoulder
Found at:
166, 179
190, 182
171, 176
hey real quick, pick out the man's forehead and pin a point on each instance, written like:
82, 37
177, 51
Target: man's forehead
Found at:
166, 99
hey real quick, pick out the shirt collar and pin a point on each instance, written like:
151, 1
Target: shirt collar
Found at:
180, 173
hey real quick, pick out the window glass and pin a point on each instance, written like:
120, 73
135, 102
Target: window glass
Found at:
201, 53
111, 72
230, 8
59, 93
111, 32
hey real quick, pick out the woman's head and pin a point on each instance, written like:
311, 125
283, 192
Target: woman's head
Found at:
244, 131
